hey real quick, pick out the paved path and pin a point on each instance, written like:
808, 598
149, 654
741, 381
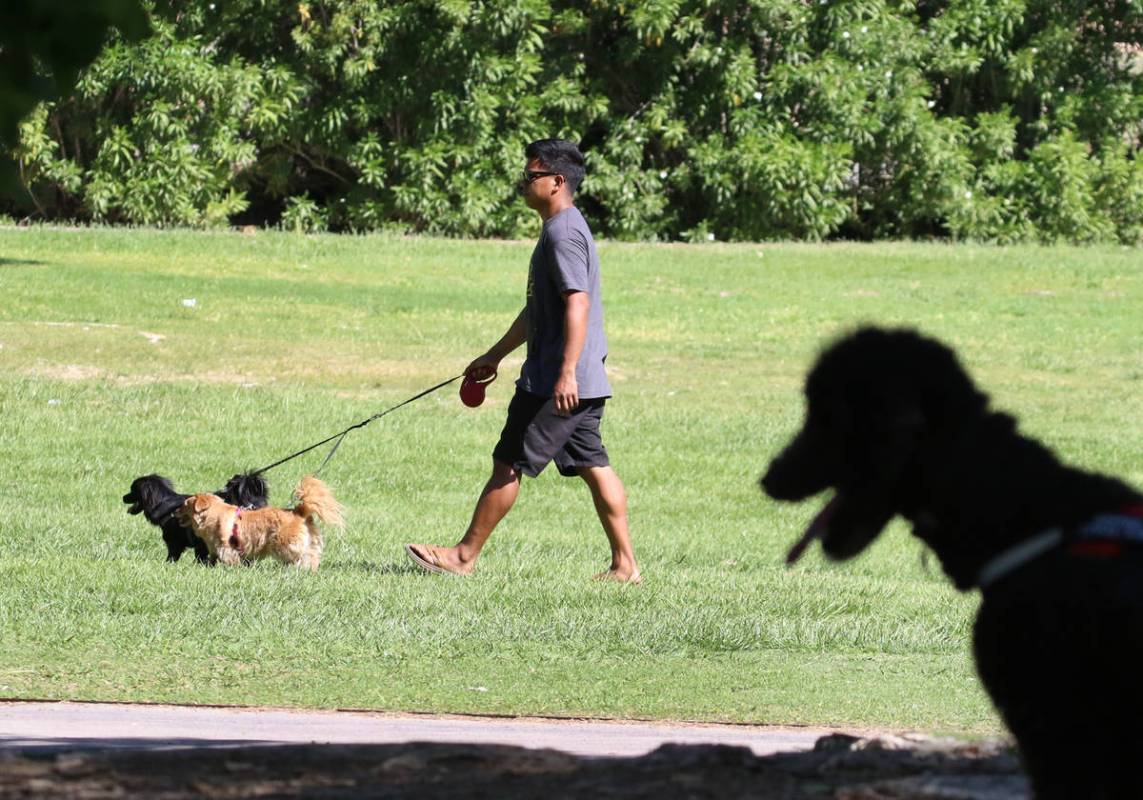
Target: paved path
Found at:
108, 725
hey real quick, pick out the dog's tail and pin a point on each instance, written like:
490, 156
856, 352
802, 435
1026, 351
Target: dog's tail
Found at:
316, 500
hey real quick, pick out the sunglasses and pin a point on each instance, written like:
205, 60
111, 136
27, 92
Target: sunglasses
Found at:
527, 176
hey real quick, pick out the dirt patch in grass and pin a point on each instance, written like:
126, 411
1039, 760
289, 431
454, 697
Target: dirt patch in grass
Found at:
68, 372
88, 372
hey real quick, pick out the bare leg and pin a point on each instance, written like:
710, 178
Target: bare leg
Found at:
495, 501
611, 505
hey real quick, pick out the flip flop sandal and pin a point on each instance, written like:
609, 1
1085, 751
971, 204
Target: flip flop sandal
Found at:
429, 564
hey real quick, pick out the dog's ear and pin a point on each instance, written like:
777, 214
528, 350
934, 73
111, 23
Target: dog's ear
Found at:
148, 493
201, 502
191, 508
256, 491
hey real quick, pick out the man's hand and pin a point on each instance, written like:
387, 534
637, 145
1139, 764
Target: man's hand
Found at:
482, 368
566, 394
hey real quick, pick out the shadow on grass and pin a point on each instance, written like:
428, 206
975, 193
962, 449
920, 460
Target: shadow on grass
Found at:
21, 262
125, 768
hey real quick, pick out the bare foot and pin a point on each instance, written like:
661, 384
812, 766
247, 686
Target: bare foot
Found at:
438, 560
620, 576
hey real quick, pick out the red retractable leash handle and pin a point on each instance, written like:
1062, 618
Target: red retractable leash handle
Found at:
472, 390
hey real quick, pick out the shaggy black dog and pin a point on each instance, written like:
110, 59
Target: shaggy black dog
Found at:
155, 497
895, 426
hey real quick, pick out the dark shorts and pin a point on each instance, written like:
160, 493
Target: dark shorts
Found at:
535, 435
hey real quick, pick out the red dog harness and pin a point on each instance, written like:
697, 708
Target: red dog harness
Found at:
235, 542
1109, 535
1103, 536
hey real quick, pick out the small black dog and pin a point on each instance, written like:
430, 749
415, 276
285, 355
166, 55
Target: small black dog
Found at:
895, 426
155, 497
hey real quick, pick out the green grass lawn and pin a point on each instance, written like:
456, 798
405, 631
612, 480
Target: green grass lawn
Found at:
105, 374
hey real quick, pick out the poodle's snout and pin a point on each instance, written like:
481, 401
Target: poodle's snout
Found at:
797, 473
772, 485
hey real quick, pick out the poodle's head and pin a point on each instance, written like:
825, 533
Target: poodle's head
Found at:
871, 401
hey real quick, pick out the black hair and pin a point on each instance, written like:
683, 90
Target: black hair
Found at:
560, 156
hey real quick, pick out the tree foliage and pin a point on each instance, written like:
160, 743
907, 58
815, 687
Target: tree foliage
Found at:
43, 46
988, 119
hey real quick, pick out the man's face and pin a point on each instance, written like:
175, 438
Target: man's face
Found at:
538, 184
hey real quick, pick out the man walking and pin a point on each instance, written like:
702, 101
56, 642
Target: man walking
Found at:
562, 388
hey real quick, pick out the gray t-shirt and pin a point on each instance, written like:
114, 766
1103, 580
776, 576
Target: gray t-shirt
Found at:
564, 261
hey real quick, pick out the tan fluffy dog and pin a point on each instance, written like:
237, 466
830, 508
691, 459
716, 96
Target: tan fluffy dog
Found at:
290, 535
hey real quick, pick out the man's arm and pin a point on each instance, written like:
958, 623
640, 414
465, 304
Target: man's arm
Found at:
566, 394
516, 335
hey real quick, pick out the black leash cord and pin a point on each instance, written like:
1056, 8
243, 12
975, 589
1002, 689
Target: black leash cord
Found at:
341, 434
